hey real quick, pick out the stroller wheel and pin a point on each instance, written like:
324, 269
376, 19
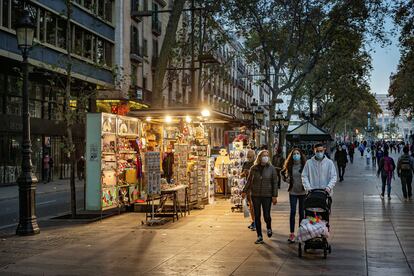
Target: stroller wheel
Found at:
300, 250
329, 249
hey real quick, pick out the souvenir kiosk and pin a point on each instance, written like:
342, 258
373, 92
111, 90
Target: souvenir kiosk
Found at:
113, 161
182, 137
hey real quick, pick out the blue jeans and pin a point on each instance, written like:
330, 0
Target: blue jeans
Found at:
386, 181
260, 202
293, 203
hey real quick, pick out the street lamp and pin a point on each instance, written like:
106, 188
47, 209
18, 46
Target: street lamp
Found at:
255, 112
27, 180
281, 122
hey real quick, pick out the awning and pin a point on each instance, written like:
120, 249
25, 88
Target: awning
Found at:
160, 114
308, 132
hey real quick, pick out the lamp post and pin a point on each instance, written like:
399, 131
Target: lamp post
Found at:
255, 112
27, 180
281, 122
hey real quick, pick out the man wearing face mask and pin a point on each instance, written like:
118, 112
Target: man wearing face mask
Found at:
262, 184
341, 160
319, 172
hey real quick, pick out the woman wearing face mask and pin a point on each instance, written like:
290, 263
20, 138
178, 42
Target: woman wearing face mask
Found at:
292, 173
262, 184
251, 155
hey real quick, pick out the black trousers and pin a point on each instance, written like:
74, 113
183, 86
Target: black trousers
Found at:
260, 203
341, 169
406, 179
351, 158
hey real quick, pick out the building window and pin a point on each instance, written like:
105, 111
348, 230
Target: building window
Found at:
145, 48
50, 28
100, 51
155, 48
134, 40
144, 83
134, 72
77, 40
5, 11
134, 5
61, 33
88, 46
108, 53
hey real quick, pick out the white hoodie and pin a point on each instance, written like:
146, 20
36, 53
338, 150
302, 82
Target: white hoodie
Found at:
319, 174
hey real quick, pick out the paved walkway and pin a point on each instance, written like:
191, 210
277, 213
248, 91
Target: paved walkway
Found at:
369, 236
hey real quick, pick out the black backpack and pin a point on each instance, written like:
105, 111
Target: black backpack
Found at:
405, 163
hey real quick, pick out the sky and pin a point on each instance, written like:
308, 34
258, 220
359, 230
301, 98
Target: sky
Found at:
384, 62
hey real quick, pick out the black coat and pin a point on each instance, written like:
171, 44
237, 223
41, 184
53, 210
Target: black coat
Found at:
341, 158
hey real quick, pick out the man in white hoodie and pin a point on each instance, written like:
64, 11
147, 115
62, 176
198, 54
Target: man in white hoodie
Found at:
319, 171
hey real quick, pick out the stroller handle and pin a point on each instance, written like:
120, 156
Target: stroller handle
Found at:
319, 191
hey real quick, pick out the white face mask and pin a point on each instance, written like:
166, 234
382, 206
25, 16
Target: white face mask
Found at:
265, 159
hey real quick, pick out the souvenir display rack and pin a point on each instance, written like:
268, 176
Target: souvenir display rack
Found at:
237, 158
112, 156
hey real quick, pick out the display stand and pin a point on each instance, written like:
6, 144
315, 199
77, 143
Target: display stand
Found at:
152, 179
237, 183
111, 161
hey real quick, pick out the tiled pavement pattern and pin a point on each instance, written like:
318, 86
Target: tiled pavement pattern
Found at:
369, 236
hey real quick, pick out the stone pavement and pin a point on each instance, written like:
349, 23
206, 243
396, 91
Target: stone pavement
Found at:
369, 236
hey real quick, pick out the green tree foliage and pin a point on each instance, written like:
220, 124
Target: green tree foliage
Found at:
339, 83
289, 38
402, 83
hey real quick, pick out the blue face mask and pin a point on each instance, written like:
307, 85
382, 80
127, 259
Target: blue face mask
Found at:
319, 155
296, 157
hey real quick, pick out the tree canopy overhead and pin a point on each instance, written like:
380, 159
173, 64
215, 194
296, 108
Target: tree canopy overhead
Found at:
402, 83
293, 39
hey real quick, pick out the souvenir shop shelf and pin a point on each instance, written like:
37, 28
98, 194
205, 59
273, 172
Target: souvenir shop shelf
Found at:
112, 159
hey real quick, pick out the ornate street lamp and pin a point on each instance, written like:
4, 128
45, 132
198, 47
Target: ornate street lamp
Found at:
260, 115
281, 121
27, 180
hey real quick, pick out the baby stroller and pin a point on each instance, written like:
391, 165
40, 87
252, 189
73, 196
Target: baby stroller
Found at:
317, 203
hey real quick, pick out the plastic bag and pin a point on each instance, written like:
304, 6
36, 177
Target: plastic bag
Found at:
246, 210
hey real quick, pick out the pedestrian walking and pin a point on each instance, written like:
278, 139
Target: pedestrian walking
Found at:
292, 173
51, 165
374, 155
277, 162
319, 172
262, 184
341, 160
405, 168
379, 154
46, 167
351, 152
386, 169
368, 155
361, 149
81, 168
251, 156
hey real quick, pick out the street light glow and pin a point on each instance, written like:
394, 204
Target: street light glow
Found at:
148, 119
205, 113
168, 119
188, 119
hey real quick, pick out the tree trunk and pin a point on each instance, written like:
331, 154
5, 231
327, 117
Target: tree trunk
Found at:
166, 48
70, 147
